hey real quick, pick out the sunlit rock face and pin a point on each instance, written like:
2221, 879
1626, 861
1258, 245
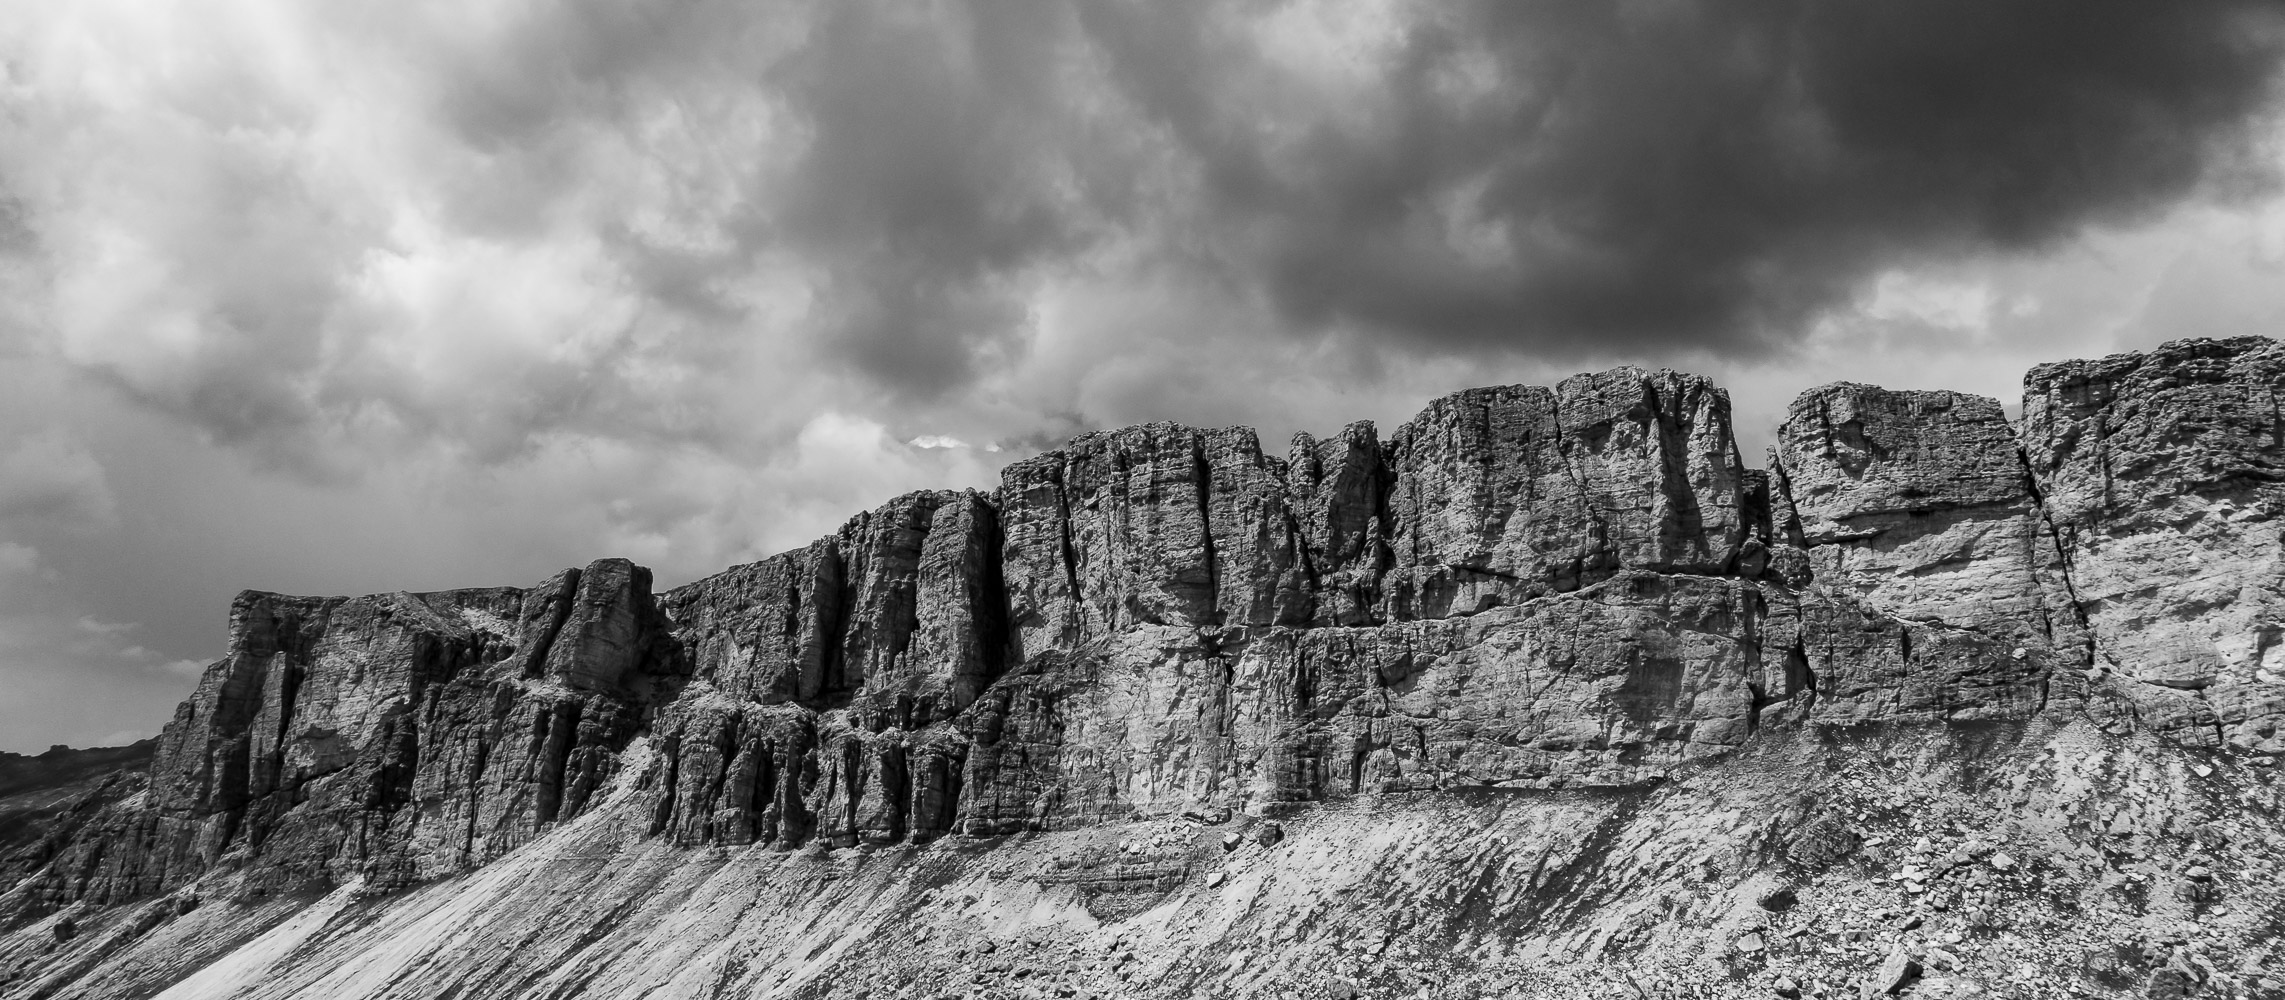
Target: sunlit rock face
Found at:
2163, 476
1916, 511
1506, 494
1577, 587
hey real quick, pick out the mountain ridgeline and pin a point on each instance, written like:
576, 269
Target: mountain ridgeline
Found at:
1584, 586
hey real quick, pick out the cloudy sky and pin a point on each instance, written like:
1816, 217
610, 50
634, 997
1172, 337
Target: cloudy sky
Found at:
355, 296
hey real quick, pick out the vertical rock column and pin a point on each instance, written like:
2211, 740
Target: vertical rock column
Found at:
824, 680
203, 775
2164, 475
1340, 507
1656, 463
1943, 592
1038, 560
924, 632
766, 631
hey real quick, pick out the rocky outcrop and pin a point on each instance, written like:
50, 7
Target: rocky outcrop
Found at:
1915, 509
1521, 588
900, 612
402, 735
2163, 476
1506, 494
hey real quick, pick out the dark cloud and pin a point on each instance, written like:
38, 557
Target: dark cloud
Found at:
946, 157
608, 219
1562, 179
1666, 173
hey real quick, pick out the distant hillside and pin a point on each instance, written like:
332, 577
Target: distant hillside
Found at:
47, 794
62, 766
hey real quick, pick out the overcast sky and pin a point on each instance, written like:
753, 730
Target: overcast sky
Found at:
349, 297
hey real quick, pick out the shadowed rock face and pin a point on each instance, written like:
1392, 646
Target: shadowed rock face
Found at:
1521, 587
45, 797
399, 735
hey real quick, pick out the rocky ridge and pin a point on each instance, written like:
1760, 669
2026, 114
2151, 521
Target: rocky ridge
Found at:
40, 793
1577, 590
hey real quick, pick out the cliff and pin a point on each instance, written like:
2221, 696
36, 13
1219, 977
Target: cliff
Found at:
1566, 590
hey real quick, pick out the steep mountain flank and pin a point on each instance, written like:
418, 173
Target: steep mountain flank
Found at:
1570, 599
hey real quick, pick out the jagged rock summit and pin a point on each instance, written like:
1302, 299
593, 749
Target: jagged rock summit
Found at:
1556, 592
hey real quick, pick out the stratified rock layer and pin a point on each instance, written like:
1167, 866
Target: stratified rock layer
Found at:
1521, 587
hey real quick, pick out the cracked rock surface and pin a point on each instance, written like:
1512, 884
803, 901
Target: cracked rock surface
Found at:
2164, 479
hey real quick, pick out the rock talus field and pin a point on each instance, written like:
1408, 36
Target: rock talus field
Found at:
1545, 693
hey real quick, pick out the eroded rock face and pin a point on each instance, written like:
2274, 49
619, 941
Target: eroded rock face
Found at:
1521, 587
2164, 477
1506, 494
826, 681
1339, 489
1150, 525
403, 735
763, 631
1916, 507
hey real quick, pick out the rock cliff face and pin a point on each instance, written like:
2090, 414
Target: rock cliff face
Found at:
401, 735
1917, 513
1520, 588
2163, 478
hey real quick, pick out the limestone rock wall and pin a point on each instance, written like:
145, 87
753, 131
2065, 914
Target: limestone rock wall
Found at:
401, 735
1916, 508
1505, 494
1522, 587
2163, 475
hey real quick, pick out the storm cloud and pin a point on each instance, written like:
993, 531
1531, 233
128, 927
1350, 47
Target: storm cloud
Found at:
1540, 176
484, 226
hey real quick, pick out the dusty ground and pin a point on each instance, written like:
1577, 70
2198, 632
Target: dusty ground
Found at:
1941, 862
